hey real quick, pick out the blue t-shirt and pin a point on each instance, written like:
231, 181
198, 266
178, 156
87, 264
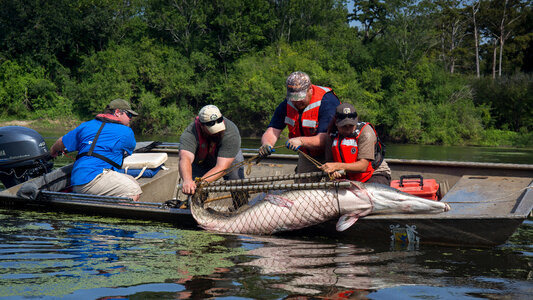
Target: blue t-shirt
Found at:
325, 113
113, 142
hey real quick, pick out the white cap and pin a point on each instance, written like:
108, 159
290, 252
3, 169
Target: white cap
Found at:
210, 115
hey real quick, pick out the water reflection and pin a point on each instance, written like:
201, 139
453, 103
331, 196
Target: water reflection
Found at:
47, 254
51, 255
343, 267
338, 270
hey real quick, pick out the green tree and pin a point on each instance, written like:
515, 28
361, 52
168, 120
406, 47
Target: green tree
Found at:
453, 24
185, 23
25, 91
500, 21
372, 14
510, 99
411, 31
61, 29
143, 72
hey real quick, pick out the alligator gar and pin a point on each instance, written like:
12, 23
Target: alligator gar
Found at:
296, 209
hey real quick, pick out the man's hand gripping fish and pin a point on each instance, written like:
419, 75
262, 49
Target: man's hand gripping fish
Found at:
297, 209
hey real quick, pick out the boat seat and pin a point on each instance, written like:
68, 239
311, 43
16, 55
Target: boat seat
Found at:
143, 161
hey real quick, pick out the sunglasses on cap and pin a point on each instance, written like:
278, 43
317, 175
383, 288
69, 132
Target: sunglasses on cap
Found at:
212, 123
344, 116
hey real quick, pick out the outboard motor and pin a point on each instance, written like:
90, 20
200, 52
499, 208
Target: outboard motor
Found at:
23, 155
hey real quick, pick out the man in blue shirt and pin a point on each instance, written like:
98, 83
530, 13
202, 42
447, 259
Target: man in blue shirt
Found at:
307, 110
102, 144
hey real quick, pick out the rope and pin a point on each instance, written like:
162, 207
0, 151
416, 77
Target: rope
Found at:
12, 172
310, 158
317, 163
202, 182
337, 197
68, 156
218, 198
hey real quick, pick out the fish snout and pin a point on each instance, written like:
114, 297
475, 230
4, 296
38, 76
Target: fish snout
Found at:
446, 207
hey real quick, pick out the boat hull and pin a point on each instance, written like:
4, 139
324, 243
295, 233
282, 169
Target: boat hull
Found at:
488, 202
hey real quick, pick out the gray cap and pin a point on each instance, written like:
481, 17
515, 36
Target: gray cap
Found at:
121, 104
345, 115
297, 85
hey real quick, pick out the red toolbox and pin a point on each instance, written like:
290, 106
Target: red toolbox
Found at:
418, 186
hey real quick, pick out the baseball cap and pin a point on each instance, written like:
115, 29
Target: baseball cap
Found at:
121, 104
211, 117
297, 85
346, 115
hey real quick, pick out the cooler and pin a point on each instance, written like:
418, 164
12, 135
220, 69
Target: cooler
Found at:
418, 186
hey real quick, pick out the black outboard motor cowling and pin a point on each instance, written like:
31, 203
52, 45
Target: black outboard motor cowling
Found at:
23, 155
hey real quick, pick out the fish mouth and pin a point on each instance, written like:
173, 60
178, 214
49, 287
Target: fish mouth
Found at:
446, 207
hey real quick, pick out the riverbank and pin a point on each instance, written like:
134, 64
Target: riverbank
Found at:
492, 138
41, 124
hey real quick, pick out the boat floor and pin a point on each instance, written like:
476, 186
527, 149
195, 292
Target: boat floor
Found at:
482, 197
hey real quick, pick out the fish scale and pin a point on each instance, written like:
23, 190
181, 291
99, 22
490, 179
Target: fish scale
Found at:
309, 207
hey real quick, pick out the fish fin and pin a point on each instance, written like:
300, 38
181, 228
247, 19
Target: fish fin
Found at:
279, 201
346, 221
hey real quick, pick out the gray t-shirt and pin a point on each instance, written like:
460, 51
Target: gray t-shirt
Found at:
228, 147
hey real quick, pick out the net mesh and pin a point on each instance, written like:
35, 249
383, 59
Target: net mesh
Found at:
256, 212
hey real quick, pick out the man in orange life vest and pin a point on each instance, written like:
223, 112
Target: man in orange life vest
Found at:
355, 148
208, 146
307, 110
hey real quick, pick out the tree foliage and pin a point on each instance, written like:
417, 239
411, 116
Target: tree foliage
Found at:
409, 67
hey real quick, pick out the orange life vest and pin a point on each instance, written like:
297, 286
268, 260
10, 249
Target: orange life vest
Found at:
205, 147
306, 124
345, 149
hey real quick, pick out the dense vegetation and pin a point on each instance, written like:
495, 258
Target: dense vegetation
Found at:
435, 72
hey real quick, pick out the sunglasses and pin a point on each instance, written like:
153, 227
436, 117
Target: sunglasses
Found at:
127, 113
344, 116
212, 123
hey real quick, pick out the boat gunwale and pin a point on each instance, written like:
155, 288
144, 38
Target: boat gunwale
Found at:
440, 163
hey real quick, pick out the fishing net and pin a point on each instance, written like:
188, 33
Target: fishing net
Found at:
265, 205
288, 202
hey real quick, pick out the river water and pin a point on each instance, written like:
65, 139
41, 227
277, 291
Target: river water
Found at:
47, 255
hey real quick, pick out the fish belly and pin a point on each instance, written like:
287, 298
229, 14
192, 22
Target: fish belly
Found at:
391, 202
305, 208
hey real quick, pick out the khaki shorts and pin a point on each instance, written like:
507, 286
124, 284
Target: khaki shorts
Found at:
110, 183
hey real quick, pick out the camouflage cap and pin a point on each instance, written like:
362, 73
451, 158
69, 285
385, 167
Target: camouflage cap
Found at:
297, 85
123, 105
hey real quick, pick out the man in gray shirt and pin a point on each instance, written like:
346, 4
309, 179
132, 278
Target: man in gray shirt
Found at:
208, 146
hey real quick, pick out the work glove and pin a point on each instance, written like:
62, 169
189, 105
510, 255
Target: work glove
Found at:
265, 150
294, 144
